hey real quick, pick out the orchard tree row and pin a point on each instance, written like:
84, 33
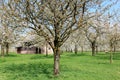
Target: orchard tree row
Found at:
60, 23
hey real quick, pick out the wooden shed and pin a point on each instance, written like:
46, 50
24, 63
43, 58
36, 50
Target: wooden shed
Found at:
28, 50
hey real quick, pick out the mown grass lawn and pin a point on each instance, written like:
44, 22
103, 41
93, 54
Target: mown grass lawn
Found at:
73, 67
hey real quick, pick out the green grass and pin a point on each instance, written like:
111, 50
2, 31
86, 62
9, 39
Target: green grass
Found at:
73, 67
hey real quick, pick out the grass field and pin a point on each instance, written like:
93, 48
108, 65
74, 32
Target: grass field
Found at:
73, 67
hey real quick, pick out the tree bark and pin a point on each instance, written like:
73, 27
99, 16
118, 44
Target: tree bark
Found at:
111, 55
56, 50
114, 48
56, 61
111, 52
96, 49
71, 50
76, 49
46, 50
93, 48
66, 50
7, 49
82, 49
2, 50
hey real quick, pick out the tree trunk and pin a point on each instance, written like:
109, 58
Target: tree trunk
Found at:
93, 48
7, 49
110, 57
56, 50
76, 49
100, 49
111, 53
2, 50
71, 51
46, 50
96, 49
114, 49
67, 49
82, 49
56, 61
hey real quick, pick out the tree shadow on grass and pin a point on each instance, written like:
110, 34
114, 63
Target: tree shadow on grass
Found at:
29, 70
116, 56
3, 59
107, 56
79, 54
41, 57
103, 57
11, 55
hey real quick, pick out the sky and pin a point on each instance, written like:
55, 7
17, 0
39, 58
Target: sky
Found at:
116, 6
